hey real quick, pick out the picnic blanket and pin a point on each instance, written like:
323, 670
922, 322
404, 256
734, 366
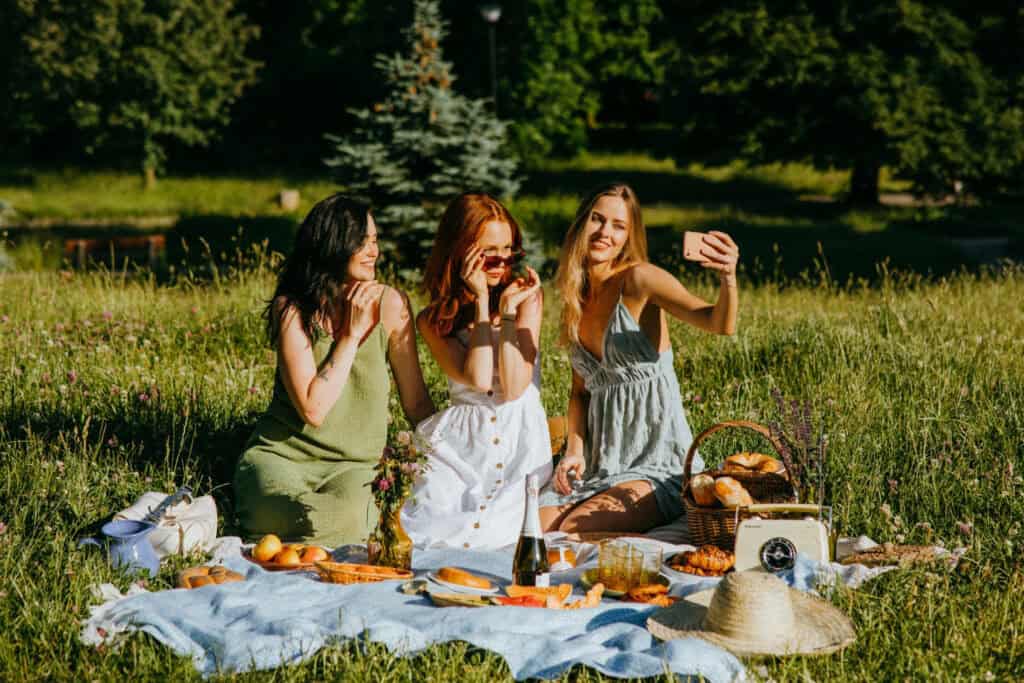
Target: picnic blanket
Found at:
284, 618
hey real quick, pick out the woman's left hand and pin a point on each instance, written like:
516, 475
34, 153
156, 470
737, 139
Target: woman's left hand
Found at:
720, 252
518, 291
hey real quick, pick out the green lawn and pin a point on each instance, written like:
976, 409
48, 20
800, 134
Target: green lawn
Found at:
784, 216
111, 386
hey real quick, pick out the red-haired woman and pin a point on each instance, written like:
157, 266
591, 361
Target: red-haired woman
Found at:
483, 328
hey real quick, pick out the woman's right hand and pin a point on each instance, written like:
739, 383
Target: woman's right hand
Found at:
568, 463
473, 272
360, 315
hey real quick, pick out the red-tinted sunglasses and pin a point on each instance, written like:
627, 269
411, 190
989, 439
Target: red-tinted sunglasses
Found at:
495, 261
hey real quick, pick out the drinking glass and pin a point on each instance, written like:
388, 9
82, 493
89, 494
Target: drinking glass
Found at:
646, 562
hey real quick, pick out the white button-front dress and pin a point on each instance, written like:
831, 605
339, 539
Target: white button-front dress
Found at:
474, 493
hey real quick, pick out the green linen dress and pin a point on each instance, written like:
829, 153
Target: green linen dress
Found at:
309, 484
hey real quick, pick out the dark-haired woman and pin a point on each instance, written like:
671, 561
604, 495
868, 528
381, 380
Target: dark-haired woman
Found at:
303, 475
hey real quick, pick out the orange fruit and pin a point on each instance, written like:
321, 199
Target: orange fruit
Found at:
288, 558
268, 546
313, 554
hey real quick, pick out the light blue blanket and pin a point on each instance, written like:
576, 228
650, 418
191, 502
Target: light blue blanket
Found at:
284, 618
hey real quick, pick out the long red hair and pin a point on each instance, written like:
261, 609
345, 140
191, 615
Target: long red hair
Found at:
460, 227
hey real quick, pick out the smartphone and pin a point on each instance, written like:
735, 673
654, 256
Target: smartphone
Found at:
693, 242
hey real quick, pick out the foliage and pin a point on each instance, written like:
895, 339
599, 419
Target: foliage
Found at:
134, 75
573, 50
850, 84
424, 144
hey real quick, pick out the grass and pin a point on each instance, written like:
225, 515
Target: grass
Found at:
111, 385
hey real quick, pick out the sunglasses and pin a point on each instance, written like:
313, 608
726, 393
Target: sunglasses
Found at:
495, 261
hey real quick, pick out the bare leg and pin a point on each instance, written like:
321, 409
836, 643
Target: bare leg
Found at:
551, 516
630, 506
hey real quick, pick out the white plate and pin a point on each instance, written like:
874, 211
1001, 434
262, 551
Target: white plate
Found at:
459, 588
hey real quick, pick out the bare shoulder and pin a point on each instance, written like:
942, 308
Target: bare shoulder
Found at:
395, 309
639, 278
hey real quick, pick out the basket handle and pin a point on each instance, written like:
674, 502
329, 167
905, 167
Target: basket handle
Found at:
743, 424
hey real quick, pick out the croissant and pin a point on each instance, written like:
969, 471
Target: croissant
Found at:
731, 493
708, 560
703, 488
753, 462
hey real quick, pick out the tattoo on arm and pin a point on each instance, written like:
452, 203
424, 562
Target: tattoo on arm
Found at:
324, 373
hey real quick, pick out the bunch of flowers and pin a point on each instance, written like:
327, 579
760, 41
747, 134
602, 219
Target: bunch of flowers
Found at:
400, 465
806, 446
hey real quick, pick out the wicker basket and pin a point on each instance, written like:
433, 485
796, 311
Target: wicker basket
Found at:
717, 526
344, 572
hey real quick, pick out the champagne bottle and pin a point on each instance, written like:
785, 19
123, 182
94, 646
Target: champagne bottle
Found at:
530, 567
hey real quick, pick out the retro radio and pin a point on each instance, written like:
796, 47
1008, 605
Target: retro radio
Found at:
771, 544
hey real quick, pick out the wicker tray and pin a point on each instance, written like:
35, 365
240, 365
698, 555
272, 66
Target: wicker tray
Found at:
717, 526
345, 572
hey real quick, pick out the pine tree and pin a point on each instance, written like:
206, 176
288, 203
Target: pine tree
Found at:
421, 146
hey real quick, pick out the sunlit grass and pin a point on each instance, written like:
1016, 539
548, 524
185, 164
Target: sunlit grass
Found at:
111, 386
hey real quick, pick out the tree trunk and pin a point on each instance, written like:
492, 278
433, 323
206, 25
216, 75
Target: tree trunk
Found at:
150, 173
864, 182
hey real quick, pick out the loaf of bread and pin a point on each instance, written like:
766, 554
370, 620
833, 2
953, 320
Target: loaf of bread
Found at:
731, 493
703, 488
463, 578
194, 577
753, 462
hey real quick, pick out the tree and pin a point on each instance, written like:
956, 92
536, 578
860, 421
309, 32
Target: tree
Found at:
575, 54
136, 74
424, 144
854, 84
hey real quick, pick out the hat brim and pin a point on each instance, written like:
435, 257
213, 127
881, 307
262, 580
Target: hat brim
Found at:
820, 627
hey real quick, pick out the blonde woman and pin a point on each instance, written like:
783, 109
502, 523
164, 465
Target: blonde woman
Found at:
627, 430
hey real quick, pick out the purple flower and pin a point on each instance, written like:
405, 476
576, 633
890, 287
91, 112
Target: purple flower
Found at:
697, 398
112, 441
383, 484
107, 315
388, 452
144, 397
253, 390
72, 376
965, 528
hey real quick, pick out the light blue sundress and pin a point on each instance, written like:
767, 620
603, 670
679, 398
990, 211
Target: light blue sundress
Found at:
636, 427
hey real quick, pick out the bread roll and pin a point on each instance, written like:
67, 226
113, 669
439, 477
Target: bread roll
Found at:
462, 578
703, 488
194, 577
753, 462
731, 493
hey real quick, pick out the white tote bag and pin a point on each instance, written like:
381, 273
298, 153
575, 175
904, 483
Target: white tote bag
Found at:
189, 525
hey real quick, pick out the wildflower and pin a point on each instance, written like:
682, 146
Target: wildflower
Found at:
194, 310
45, 378
893, 484
107, 315
411, 468
388, 452
963, 391
886, 511
72, 376
383, 484
404, 438
965, 528
989, 676
63, 388
112, 441
143, 397
697, 398
253, 390
4, 318
924, 526
115, 390
3, 528
60, 466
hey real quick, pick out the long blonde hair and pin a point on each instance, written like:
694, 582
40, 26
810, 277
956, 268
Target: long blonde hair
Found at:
571, 280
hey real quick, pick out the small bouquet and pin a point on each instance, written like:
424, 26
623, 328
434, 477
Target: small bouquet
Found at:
400, 465
806, 447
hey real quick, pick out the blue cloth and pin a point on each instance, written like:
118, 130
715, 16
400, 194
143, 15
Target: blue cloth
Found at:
636, 427
283, 618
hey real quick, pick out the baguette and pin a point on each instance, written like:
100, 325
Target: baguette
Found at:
731, 493
463, 578
703, 488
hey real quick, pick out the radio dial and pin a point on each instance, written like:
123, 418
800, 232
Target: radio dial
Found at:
778, 554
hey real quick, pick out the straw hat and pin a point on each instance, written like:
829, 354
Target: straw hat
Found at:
753, 613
